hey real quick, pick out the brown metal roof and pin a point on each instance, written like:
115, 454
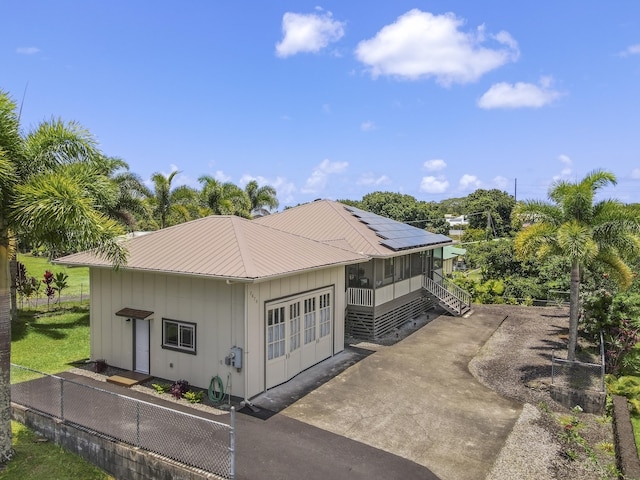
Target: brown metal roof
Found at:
332, 223
227, 247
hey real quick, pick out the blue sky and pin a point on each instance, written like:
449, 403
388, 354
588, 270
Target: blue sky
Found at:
337, 99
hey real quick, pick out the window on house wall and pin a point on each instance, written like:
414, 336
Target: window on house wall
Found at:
325, 314
402, 268
309, 320
360, 275
177, 335
417, 267
275, 333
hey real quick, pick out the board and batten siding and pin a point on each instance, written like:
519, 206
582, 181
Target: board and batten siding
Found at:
217, 309
259, 294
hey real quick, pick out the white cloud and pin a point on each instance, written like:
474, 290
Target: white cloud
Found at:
435, 165
635, 174
500, 182
307, 33
630, 50
27, 50
318, 179
369, 179
284, 188
367, 126
432, 184
422, 45
519, 95
566, 171
468, 182
221, 176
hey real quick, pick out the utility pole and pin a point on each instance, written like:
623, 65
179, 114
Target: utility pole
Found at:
515, 190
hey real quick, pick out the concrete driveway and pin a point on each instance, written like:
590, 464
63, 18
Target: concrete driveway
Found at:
418, 400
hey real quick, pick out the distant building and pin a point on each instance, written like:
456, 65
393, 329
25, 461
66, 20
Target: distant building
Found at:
456, 221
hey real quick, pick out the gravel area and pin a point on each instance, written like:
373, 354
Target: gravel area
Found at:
516, 363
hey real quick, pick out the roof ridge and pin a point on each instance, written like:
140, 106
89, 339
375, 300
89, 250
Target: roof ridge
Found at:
243, 247
342, 211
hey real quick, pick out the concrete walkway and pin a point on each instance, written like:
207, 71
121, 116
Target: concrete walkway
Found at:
418, 400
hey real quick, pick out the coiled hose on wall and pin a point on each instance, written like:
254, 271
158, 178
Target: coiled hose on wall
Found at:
213, 395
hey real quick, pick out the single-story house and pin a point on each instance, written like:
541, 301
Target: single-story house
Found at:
258, 301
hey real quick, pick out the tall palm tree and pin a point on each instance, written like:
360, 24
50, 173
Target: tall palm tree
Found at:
263, 199
48, 182
171, 206
575, 227
224, 198
129, 202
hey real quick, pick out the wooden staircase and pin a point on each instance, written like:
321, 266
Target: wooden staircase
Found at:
448, 295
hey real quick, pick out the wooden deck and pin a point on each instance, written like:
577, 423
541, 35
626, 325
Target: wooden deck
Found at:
128, 379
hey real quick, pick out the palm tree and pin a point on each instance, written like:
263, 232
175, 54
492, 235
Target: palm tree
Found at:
260, 198
224, 198
48, 182
171, 206
129, 203
576, 228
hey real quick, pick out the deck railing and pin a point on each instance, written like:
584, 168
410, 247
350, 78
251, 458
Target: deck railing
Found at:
447, 291
361, 297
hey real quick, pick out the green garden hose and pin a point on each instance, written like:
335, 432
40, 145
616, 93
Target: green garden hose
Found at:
213, 395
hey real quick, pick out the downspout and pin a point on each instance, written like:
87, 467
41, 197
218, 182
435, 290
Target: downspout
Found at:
246, 346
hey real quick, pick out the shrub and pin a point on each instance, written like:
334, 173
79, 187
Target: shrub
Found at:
100, 366
179, 388
161, 387
194, 397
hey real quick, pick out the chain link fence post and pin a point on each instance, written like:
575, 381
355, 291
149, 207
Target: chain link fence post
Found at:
62, 399
232, 445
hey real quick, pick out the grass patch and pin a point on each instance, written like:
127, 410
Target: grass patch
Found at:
78, 276
35, 460
49, 341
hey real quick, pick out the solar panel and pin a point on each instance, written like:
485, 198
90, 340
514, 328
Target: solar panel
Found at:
397, 235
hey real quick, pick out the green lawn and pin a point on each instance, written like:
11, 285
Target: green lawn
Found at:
49, 341
78, 276
35, 459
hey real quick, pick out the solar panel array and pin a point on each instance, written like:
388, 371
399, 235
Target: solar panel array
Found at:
396, 235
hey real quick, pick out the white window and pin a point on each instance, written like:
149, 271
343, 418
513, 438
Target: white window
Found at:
325, 314
294, 326
178, 335
275, 333
309, 320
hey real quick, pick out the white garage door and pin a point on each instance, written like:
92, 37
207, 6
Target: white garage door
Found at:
299, 334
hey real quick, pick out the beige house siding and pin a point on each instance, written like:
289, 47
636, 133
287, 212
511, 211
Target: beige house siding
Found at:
215, 307
259, 294
218, 310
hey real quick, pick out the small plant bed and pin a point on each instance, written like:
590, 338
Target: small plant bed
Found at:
180, 390
585, 444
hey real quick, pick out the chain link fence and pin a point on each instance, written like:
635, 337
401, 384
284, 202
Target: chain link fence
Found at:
189, 439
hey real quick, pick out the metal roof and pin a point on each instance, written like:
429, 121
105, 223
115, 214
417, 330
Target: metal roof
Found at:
226, 247
365, 232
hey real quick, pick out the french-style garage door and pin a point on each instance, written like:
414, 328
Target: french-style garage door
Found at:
299, 334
